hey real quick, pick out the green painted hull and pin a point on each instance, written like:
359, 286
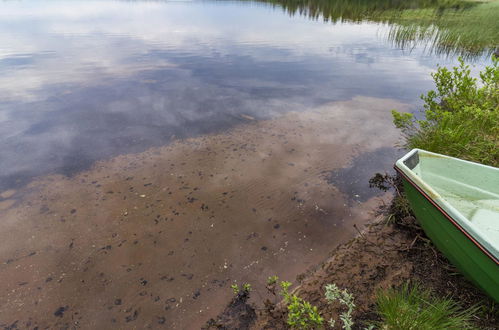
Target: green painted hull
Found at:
454, 244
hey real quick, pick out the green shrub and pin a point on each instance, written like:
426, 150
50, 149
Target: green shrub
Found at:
460, 117
417, 308
333, 293
301, 314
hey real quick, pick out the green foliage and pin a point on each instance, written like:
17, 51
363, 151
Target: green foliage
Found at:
457, 27
333, 293
360, 10
403, 120
460, 117
235, 288
285, 287
468, 32
272, 280
416, 308
246, 288
301, 314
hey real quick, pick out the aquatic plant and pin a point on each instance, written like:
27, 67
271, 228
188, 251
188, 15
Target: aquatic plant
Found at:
412, 307
361, 10
460, 117
469, 33
452, 27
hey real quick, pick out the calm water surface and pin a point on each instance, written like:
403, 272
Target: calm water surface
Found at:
85, 80
195, 111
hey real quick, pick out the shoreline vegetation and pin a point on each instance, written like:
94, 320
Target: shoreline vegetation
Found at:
391, 276
450, 27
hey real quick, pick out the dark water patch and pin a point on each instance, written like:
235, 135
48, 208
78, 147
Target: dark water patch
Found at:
354, 180
239, 314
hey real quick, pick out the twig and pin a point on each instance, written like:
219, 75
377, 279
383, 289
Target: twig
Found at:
362, 235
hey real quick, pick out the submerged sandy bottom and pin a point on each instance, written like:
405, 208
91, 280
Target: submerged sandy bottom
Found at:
157, 238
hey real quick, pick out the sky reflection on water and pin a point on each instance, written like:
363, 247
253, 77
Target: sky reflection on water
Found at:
84, 80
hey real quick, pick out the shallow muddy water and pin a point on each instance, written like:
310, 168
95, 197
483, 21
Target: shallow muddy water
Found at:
152, 153
160, 235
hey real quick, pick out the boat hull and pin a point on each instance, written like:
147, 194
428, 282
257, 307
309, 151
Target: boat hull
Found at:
453, 241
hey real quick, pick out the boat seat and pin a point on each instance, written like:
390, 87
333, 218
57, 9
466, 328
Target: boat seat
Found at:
485, 217
491, 204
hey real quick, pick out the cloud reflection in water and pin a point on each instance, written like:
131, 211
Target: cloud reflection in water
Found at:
82, 81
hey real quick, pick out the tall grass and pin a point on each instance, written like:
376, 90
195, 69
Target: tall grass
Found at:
360, 10
471, 32
415, 308
454, 27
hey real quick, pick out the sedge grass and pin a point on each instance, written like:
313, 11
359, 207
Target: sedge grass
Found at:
412, 307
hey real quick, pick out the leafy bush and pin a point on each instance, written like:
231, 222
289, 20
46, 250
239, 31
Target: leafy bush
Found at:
460, 117
301, 314
334, 293
417, 308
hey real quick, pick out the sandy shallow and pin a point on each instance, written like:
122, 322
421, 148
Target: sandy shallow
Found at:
156, 238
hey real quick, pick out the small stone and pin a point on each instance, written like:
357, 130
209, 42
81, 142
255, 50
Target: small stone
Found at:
7, 193
60, 311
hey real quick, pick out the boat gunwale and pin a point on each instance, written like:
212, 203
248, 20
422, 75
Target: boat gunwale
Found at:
439, 208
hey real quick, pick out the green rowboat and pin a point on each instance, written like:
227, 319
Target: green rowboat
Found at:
457, 204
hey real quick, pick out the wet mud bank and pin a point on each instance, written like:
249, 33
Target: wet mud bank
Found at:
383, 256
155, 239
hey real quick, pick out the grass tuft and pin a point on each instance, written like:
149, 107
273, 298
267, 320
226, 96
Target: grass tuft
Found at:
412, 307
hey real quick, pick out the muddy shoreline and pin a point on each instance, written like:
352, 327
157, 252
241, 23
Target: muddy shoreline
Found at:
385, 255
155, 239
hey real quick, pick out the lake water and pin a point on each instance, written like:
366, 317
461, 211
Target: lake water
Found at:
154, 152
